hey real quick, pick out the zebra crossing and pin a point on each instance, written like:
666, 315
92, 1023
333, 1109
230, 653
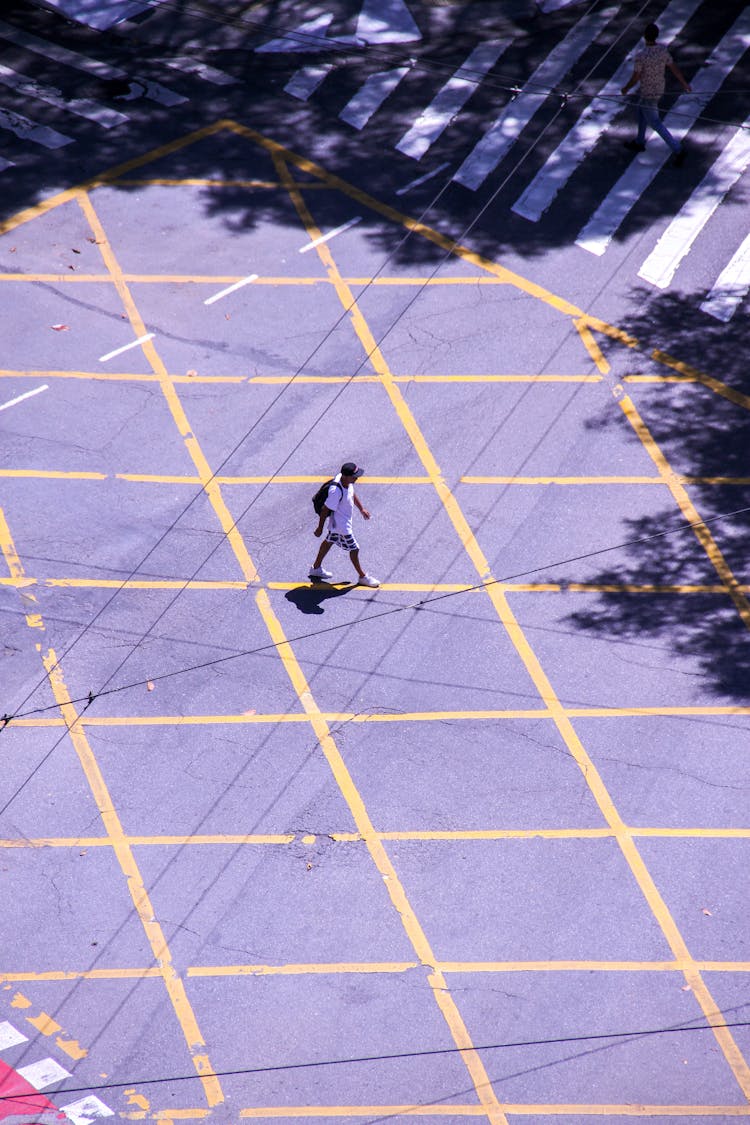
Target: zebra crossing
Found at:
125, 86
594, 113
18, 1081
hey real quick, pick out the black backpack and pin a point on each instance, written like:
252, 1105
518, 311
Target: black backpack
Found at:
320, 497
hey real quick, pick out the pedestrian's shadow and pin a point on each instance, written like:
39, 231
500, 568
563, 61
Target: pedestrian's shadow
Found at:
309, 599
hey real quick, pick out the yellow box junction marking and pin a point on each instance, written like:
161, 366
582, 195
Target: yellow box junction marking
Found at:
122, 848
585, 325
499, 600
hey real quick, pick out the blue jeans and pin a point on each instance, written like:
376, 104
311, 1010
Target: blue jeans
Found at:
648, 115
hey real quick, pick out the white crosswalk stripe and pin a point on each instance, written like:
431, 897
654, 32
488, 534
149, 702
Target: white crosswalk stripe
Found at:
369, 98
202, 70
731, 286
450, 99
592, 123
27, 130
617, 204
505, 129
305, 82
77, 61
386, 21
309, 36
81, 107
661, 265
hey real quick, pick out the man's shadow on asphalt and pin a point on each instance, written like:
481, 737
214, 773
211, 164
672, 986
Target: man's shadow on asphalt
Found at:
309, 599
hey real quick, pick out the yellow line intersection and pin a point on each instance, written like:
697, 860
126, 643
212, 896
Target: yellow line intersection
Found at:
305, 195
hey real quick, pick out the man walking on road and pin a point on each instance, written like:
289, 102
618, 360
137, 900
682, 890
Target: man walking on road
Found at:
648, 70
339, 506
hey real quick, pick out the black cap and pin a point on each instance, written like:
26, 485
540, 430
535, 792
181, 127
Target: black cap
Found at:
349, 469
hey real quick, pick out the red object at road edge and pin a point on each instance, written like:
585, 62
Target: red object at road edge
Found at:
21, 1104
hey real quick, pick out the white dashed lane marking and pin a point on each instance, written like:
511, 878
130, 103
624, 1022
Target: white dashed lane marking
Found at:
4, 406
331, 234
126, 347
231, 289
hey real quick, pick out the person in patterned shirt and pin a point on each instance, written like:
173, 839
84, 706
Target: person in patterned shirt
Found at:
649, 67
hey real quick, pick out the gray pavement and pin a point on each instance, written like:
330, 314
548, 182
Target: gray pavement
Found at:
470, 845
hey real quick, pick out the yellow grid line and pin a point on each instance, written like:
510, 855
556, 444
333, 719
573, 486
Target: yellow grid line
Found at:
269, 380
186, 584
444, 1000
440, 835
525, 1108
725, 1040
251, 717
113, 827
594, 1109
334, 968
221, 478
457, 1109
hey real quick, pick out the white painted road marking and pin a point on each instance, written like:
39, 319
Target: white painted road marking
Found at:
505, 129
162, 95
580, 140
9, 1035
5, 405
617, 204
731, 286
77, 61
86, 1109
58, 54
386, 21
661, 265
331, 234
449, 100
306, 37
358, 111
423, 179
305, 82
44, 1073
29, 130
126, 347
231, 289
186, 65
81, 107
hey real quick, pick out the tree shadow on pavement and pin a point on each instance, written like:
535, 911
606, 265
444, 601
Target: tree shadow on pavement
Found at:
704, 437
368, 157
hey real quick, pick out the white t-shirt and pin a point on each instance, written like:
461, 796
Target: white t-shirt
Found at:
340, 502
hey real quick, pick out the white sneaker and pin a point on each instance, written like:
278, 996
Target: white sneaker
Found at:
368, 580
319, 572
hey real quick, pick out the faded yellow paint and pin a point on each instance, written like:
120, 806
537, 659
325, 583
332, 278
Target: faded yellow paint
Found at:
44, 1023
208, 481
688, 509
396, 892
499, 600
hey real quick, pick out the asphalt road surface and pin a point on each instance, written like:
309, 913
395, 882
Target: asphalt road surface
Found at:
470, 845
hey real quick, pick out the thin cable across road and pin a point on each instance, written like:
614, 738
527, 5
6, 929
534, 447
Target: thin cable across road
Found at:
414, 605
561, 1040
